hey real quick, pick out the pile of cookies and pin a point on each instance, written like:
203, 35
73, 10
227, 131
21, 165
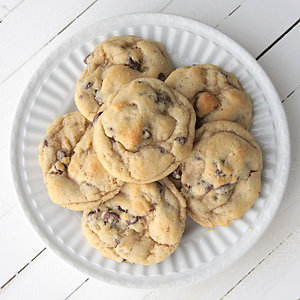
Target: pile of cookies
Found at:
149, 145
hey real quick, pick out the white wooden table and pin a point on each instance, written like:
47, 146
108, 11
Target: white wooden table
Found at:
31, 29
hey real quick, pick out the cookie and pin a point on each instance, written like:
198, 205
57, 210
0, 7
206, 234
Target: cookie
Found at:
214, 93
74, 177
143, 224
222, 177
115, 62
144, 133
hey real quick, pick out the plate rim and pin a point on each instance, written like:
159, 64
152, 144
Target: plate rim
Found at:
27, 208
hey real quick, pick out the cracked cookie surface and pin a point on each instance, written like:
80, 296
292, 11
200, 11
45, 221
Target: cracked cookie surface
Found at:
222, 177
115, 62
145, 131
215, 94
143, 224
74, 177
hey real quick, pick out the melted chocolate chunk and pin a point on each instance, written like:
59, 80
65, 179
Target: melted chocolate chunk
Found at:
162, 76
57, 171
92, 212
177, 173
181, 140
86, 59
97, 117
162, 150
146, 134
225, 188
132, 220
45, 143
135, 65
87, 85
163, 98
111, 217
197, 157
122, 209
208, 188
218, 172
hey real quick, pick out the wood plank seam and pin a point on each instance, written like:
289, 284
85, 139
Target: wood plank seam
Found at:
22, 269
49, 41
231, 13
166, 5
77, 288
291, 93
278, 39
10, 10
224, 297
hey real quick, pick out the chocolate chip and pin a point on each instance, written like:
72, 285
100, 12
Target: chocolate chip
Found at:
58, 171
218, 172
162, 150
225, 74
111, 217
161, 76
163, 98
86, 59
45, 143
80, 97
208, 188
121, 209
92, 212
60, 154
197, 157
117, 241
87, 85
146, 134
132, 220
225, 188
97, 117
135, 65
177, 173
181, 140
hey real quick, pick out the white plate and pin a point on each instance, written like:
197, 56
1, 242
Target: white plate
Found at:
202, 253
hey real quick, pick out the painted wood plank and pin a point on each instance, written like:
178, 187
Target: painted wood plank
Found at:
209, 12
282, 63
47, 278
92, 287
277, 277
19, 244
41, 28
24, 26
256, 24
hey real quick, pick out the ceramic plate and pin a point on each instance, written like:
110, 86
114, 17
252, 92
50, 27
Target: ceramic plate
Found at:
202, 252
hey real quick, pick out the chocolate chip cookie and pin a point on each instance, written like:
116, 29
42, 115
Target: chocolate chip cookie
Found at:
145, 131
143, 224
222, 177
214, 93
74, 176
115, 62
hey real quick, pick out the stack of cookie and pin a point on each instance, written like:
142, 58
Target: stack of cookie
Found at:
148, 144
